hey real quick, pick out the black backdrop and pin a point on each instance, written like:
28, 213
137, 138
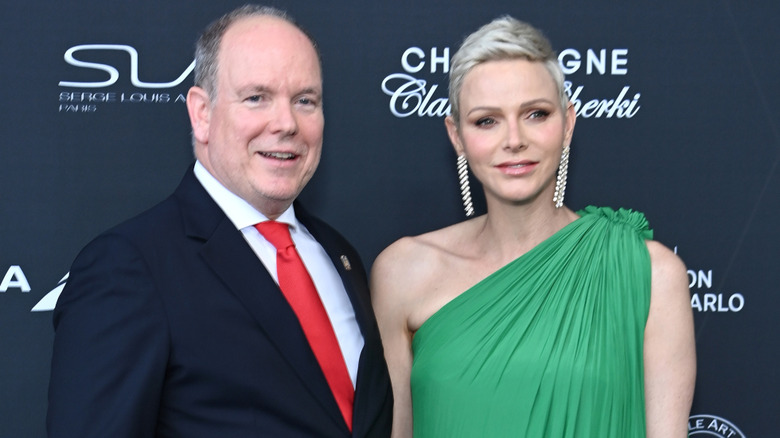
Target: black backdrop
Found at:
678, 118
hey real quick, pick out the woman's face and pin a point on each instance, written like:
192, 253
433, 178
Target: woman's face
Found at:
512, 129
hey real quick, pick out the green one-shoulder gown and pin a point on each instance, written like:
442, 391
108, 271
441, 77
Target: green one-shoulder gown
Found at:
548, 346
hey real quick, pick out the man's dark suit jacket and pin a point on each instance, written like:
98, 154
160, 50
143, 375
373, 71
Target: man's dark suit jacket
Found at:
170, 326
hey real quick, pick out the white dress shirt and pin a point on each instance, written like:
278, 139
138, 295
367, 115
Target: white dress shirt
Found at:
324, 275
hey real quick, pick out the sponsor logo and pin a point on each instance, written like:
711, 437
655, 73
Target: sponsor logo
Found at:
14, 278
410, 94
704, 301
91, 95
699, 281
49, 300
712, 426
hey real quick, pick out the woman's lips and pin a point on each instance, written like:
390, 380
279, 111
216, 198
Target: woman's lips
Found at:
517, 167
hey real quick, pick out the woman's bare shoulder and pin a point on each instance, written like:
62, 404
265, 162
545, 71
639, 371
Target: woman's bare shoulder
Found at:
411, 251
668, 269
669, 295
410, 263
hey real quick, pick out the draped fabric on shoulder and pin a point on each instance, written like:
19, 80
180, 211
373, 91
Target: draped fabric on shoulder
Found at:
549, 345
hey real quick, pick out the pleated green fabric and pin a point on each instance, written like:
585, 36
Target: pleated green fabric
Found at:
548, 346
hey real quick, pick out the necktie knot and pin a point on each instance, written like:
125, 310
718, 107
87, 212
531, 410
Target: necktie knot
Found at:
278, 233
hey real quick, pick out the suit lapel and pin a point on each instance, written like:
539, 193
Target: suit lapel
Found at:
228, 254
347, 264
372, 394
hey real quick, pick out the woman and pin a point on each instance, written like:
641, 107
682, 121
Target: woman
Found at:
531, 320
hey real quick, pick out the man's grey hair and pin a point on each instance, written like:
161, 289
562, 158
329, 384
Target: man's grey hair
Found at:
207, 47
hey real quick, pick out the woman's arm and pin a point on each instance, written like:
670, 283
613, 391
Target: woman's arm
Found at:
670, 347
389, 290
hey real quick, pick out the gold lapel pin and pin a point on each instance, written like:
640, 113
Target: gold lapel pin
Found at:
345, 262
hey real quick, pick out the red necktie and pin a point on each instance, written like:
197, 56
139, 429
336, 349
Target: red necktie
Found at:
299, 290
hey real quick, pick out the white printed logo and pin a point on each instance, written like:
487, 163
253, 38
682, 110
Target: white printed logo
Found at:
88, 96
411, 95
113, 73
712, 425
49, 300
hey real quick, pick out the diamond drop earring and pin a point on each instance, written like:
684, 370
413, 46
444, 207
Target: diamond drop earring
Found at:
465, 188
560, 182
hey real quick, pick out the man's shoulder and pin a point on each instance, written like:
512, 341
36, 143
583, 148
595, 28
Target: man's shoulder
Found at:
161, 221
153, 227
154, 220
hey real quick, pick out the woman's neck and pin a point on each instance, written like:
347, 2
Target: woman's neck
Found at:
509, 231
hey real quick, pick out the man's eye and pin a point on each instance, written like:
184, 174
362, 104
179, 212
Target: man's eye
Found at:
307, 101
254, 98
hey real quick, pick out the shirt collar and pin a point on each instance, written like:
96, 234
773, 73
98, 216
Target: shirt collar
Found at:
241, 213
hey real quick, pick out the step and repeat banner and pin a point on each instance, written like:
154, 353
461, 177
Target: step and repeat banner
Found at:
678, 117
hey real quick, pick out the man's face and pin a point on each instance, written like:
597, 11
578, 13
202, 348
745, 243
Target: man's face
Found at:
262, 135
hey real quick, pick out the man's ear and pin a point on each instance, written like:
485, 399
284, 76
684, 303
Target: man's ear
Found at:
452, 132
199, 109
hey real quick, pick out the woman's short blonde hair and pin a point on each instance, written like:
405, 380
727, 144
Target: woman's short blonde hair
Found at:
502, 39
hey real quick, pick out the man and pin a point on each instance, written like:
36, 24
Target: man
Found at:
172, 324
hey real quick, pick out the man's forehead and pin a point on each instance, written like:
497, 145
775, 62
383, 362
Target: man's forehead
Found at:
266, 36
263, 28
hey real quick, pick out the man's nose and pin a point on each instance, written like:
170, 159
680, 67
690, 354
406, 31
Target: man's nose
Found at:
284, 119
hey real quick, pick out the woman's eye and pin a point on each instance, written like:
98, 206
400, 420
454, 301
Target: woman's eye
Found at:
485, 121
539, 114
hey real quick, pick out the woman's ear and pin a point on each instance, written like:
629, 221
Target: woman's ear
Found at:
571, 118
452, 132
